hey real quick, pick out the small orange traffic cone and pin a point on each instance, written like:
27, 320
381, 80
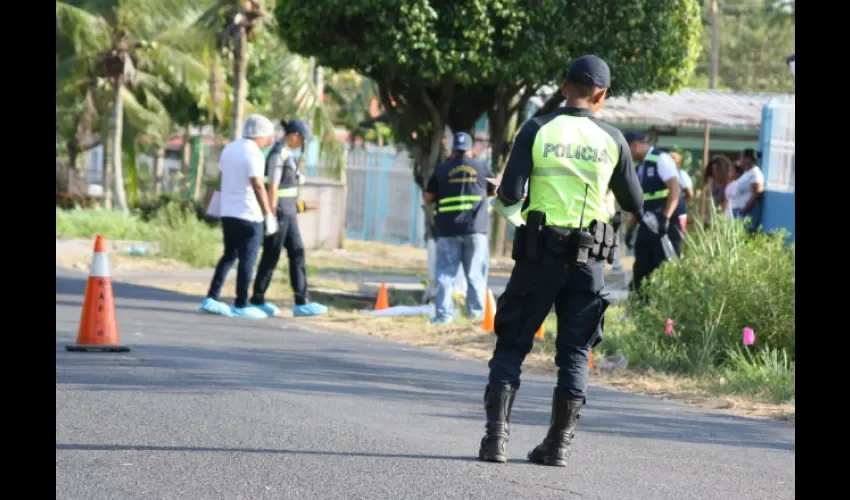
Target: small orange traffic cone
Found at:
98, 328
541, 332
590, 359
383, 301
488, 323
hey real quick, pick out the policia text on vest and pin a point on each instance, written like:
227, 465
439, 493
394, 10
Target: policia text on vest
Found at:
570, 161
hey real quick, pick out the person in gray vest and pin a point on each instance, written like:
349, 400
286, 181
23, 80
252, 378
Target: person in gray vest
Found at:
460, 189
282, 181
659, 178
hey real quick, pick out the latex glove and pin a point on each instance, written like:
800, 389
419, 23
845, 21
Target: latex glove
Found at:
663, 224
656, 223
271, 224
300, 178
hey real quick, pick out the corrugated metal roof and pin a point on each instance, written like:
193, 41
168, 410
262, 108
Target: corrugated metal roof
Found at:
689, 108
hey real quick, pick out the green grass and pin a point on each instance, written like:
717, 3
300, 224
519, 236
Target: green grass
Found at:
181, 236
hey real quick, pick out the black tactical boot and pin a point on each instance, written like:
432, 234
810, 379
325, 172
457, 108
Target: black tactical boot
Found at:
498, 401
555, 448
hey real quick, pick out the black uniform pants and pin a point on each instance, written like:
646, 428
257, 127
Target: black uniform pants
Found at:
289, 237
649, 254
533, 288
241, 242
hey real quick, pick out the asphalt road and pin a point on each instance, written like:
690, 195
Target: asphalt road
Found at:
207, 408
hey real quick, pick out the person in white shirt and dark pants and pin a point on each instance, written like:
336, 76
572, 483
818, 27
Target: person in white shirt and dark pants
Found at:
244, 209
748, 192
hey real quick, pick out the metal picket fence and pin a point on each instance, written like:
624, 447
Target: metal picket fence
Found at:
384, 203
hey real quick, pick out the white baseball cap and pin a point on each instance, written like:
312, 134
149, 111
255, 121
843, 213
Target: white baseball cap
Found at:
257, 126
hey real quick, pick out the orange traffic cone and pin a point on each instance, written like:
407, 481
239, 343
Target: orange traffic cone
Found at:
488, 324
590, 359
541, 332
383, 301
98, 327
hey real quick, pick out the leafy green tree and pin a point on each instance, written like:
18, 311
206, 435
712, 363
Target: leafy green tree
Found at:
440, 64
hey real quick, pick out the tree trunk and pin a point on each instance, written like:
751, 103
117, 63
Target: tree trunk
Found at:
159, 171
240, 85
503, 121
199, 173
116, 129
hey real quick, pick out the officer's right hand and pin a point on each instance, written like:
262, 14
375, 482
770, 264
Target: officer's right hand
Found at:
271, 224
663, 224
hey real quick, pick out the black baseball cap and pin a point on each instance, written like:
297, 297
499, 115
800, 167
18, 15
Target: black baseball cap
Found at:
462, 142
589, 70
297, 126
633, 135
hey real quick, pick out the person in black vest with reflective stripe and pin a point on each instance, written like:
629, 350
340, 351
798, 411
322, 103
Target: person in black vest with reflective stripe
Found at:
460, 189
282, 181
659, 177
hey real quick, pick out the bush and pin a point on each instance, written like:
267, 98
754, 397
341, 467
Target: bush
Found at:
150, 207
182, 236
86, 223
727, 280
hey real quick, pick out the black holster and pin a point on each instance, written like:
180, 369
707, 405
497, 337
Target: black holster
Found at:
520, 241
534, 238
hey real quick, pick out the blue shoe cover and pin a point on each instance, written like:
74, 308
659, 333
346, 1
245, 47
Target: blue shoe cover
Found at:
248, 312
268, 308
213, 306
311, 309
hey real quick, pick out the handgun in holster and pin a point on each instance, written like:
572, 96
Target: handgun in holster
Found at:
535, 222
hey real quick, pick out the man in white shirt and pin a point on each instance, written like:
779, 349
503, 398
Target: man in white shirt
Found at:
659, 177
748, 191
244, 208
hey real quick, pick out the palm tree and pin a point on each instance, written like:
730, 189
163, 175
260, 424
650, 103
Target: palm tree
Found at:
108, 45
232, 24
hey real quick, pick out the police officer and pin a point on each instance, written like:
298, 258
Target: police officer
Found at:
282, 180
570, 159
662, 203
460, 188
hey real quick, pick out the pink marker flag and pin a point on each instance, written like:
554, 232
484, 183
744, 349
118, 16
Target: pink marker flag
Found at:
668, 327
749, 336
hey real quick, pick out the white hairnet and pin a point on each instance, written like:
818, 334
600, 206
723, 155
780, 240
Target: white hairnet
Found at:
257, 126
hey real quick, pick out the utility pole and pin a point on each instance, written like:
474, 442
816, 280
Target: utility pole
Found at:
715, 47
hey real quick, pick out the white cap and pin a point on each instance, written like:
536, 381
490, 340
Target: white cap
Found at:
257, 126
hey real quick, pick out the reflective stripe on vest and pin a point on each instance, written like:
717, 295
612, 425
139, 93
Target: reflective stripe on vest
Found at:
571, 154
456, 203
290, 192
656, 195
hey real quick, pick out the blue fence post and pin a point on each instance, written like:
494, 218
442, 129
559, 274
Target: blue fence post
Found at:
369, 204
385, 163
